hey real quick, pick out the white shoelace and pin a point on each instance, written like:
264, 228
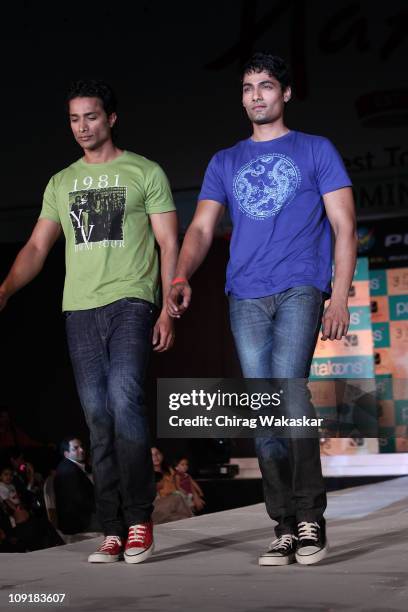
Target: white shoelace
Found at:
284, 541
109, 541
137, 533
308, 531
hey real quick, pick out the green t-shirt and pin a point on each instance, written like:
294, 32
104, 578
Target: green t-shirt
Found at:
110, 248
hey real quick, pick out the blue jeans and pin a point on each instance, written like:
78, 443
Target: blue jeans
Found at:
275, 337
109, 348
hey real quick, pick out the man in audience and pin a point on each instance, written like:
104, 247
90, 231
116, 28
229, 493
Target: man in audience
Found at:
74, 490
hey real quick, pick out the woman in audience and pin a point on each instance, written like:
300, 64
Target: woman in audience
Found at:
171, 502
188, 485
8, 492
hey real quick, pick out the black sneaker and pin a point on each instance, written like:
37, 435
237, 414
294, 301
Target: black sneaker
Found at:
312, 543
281, 551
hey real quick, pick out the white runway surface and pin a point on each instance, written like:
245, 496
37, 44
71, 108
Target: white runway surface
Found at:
209, 563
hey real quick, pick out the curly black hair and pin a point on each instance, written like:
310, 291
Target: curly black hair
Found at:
92, 88
274, 65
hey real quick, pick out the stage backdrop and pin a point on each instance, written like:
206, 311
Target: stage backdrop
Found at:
352, 357
389, 306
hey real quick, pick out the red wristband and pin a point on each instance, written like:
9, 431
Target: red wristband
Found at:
178, 279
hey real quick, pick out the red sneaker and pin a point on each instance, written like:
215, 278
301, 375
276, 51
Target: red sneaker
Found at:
110, 550
139, 545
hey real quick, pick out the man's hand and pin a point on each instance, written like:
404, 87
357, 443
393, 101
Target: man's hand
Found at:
3, 298
163, 333
178, 290
335, 321
196, 245
340, 209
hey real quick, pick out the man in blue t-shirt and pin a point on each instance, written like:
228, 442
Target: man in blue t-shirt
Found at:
285, 191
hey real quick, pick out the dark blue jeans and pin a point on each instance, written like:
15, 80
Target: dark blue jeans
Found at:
275, 337
109, 349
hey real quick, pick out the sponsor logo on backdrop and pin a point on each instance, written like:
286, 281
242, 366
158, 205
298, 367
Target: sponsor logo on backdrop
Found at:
339, 367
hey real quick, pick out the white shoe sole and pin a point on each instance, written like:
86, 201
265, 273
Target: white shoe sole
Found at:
315, 558
277, 560
100, 558
140, 557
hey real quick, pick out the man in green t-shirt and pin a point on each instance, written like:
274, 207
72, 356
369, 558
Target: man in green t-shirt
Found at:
112, 206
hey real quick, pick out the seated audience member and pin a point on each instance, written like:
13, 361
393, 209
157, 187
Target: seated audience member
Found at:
28, 482
74, 490
171, 503
25, 530
188, 485
164, 474
8, 492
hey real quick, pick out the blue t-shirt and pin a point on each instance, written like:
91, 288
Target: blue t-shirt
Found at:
281, 235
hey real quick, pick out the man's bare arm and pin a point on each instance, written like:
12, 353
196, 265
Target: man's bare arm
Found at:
341, 213
30, 259
196, 245
164, 227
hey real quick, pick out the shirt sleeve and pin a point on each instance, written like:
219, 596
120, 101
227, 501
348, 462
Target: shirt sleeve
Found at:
49, 208
158, 196
331, 173
213, 184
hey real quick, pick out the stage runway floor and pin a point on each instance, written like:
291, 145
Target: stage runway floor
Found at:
210, 563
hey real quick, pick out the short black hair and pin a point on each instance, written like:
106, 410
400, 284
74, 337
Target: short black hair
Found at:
64, 444
93, 88
274, 65
179, 458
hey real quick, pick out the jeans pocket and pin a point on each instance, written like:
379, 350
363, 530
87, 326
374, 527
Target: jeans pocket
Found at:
68, 313
140, 303
310, 291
